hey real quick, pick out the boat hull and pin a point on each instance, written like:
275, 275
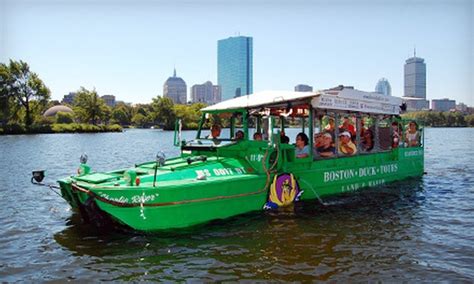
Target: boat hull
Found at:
172, 205
155, 211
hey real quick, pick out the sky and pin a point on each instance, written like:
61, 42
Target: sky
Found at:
129, 48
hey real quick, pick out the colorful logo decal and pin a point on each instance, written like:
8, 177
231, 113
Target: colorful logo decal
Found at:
283, 191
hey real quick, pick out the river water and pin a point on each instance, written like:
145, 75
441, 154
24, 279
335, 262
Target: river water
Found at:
421, 229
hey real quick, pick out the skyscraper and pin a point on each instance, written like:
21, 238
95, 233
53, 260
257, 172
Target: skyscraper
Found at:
415, 83
303, 88
69, 98
206, 93
109, 100
234, 66
383, 87
175, 89
443, 104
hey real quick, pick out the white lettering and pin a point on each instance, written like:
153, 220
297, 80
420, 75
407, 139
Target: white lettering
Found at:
339, 175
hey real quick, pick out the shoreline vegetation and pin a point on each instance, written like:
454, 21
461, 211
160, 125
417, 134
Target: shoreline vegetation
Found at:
24, 98
430, 118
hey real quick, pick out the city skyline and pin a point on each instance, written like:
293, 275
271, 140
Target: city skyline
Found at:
127, 48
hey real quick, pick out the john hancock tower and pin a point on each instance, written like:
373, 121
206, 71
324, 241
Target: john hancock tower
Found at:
234, 66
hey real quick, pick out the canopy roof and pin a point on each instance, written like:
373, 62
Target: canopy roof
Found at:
347, 99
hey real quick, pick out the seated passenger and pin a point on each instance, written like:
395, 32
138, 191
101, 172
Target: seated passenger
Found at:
215, 131
318, 139
326, 148
347, 126
257, 136
302, 148
346, 146
239, 135
367, 143
412, 135
331, 127
283, 138
395, 134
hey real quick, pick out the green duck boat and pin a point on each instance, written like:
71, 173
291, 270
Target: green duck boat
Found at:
349, 140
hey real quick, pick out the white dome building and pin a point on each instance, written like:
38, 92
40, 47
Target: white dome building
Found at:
52, 111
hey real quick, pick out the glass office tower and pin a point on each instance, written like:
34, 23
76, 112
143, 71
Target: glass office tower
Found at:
383, 87
234, 66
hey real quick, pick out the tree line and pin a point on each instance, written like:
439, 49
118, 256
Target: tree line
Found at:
441, 119
24, 98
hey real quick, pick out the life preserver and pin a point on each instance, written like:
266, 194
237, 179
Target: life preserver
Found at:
283, 191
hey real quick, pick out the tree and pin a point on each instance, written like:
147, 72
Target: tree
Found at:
64, 117
190, 114
89, 107
163, 112
122, 114
470, 120
140, 120
18, 82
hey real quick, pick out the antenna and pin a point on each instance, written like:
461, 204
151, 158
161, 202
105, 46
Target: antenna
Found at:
414, 51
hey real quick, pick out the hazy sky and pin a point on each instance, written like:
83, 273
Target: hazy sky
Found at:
129, 48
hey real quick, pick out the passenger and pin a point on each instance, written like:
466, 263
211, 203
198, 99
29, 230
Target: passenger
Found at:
326, 149
346, 146
367, 143
317, 142
215, 132
347, 126
395, 134
362, 128
302, 148
283, 138
318, 139
412, 135
239, 135
331, 127
257, 136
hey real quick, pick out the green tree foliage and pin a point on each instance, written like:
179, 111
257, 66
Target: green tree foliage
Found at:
25, 87
469, 120
8, 109
142, 115
121, 114
163, 112
140, 120
189, 114
89, 107
439, 119
64, 117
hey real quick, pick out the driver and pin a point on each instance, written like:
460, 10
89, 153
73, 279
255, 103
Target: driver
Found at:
215, 131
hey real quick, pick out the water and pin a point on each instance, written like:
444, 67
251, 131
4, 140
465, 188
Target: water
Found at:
413, 230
